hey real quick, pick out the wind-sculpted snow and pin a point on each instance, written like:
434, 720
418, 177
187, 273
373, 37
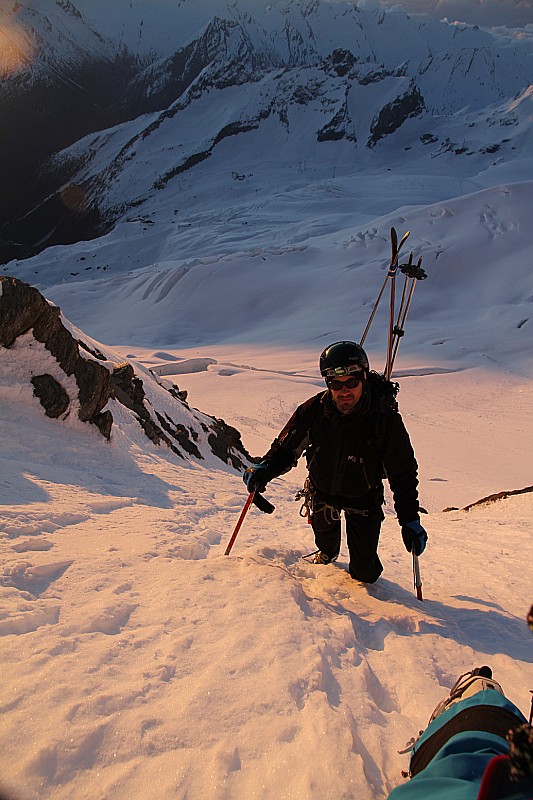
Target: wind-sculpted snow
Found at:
474, 248
134, 634
148, 661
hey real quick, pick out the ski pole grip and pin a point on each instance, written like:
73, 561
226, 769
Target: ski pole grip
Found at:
262, 503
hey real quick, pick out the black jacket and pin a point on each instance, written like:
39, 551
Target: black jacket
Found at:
349, 455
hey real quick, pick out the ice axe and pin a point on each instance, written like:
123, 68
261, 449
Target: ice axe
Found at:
261, 503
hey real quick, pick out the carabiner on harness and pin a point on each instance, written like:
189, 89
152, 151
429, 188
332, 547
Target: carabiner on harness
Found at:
308, 495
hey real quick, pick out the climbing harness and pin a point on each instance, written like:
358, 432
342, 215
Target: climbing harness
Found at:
311, 506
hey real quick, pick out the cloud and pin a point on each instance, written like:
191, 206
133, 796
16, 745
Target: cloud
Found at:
487, 13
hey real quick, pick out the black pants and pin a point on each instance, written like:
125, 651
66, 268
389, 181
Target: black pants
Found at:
362, 536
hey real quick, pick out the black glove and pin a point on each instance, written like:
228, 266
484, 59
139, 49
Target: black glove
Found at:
257, 476
414, 537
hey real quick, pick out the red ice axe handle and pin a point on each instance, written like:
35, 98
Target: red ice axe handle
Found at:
247, 505
416, 577
261, 503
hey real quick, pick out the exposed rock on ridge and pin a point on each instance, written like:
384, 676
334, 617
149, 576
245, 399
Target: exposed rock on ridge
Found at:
188, 433
23, 308
394, 114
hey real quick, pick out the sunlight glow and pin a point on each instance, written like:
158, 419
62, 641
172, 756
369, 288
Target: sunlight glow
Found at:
16, 50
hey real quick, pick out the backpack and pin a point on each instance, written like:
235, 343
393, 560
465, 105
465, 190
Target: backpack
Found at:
386, 389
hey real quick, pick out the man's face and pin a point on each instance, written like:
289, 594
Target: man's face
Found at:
345, 395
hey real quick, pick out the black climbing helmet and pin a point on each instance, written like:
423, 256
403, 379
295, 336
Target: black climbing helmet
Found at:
343, 358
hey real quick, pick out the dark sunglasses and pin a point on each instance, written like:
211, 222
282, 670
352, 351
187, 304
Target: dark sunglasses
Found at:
336, 385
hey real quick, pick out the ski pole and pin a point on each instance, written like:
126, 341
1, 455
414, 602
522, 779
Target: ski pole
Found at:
369, 323
247, 505
395, 252
416, 577
390, 345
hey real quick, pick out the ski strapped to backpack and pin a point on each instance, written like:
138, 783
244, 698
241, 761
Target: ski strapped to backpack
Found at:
393, 266
413, 273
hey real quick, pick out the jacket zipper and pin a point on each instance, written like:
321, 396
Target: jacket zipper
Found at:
363, 470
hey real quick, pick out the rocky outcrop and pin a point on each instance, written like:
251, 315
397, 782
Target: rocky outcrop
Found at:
338, 128
491, 498
394, 114
54, 399
128, 389
23, 308
166, 421
224, 442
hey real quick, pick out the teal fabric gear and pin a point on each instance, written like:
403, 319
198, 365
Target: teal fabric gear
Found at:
455, 772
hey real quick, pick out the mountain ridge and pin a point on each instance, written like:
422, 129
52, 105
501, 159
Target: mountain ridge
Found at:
335, 59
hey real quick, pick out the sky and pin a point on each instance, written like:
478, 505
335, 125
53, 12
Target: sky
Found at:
486, 13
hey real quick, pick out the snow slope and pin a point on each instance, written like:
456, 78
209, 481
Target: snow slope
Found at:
140, 661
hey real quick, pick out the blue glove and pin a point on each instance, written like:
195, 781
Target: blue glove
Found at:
257, 476
414, 537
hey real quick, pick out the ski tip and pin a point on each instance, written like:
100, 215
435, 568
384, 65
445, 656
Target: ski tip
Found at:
396, 245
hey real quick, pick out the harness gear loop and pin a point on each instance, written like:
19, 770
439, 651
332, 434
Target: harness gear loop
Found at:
311, 505
308, 495
330, 511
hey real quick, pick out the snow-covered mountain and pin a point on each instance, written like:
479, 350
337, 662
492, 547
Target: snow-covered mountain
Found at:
277, 139
308, 89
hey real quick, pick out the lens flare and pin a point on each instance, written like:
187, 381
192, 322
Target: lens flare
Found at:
73, 197
16, 50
